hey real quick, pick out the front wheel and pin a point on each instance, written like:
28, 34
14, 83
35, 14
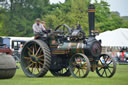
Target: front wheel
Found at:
79, 65
106, 66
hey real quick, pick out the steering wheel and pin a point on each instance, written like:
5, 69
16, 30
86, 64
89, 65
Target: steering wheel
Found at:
63, 29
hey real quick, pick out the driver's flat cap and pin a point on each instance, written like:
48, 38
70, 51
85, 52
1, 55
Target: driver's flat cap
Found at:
38, 19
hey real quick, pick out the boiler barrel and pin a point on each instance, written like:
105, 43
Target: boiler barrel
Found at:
71, 47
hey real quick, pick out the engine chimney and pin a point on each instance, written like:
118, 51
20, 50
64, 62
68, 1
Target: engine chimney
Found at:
91, 18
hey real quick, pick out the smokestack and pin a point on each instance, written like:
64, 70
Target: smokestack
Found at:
91, 18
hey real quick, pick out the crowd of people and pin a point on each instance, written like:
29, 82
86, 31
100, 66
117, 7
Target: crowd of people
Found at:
120, 54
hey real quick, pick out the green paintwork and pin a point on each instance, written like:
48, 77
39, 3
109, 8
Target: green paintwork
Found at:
71, 47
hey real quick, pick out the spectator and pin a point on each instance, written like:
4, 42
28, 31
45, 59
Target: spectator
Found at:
20, 49
44, 24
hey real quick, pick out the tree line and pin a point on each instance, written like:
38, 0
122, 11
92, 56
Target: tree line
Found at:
18, 16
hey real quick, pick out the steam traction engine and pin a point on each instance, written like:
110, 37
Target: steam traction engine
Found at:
65, 52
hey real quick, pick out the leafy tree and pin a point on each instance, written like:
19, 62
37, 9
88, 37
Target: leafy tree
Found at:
106, 20
17, 16
3, 19
72, 12
21, 15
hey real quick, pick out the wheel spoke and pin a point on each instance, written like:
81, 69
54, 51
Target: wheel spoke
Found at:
33, 51
85, 65
101, 66
74, 64
66, 69
37, 67
77, 71
29, 53
29, 49
41, 63
35, 47
80, 61
29, 61
40, 52
40, 56
107, 59
27, 58
37, 52
110, 62
42, 60
100, 69
109, 70
101, 62
84, 68
82, 71
29, 66
105, 72
62, 71
73, 68
32, 68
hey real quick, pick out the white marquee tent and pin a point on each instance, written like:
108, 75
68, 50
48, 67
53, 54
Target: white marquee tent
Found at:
118, 37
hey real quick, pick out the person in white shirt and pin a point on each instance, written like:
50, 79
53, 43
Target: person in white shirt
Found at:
20, 48
38, 27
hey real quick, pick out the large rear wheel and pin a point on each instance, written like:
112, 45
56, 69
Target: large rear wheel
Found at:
35, 58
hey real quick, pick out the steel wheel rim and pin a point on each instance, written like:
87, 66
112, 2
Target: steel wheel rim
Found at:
64, 29
32, 58
107, 66
78, 66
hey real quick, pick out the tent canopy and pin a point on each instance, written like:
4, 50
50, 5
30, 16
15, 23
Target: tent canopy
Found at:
118, 37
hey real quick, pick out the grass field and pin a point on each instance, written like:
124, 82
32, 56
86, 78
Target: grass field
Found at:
120, 78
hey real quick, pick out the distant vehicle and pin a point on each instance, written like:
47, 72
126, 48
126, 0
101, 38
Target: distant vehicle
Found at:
4, 48
13, 44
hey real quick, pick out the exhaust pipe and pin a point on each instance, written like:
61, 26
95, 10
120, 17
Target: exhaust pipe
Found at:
91, 19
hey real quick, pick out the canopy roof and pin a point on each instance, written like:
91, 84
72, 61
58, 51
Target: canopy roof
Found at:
118, 37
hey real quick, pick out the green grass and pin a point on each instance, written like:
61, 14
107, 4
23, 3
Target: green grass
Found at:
120, 78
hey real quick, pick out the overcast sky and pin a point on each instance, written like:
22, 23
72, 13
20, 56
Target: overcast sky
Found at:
115, 5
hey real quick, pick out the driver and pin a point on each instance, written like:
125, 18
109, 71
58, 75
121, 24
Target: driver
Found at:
38, 28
